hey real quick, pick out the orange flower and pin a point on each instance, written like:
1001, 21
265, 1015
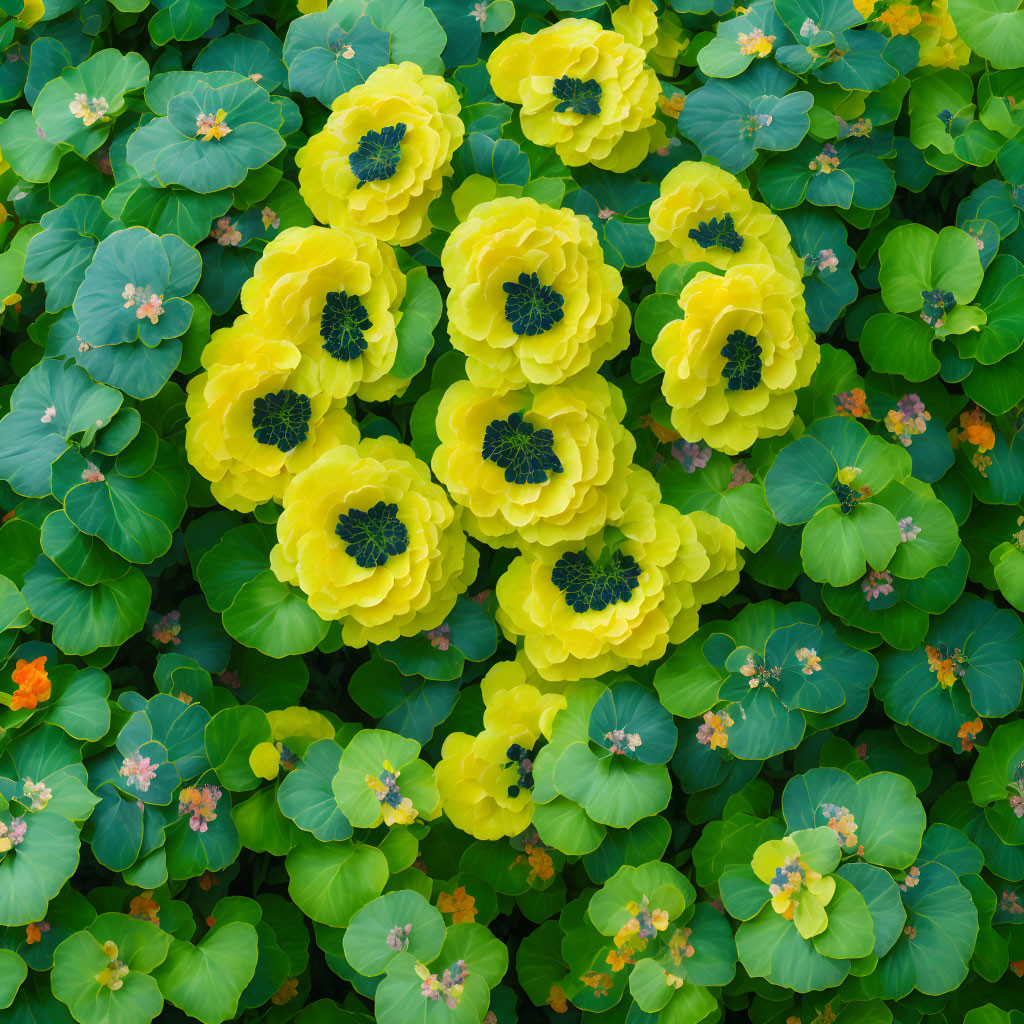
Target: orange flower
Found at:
145, 908
1017, 966
851, 403
557, 1001
207, 880
34, 932
286, 992
619, 958
976, 430
662, 433
969, 733
598, 981
32, 681
459, 904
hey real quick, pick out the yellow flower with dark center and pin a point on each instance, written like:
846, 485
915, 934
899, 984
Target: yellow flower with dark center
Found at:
537, 466
380, 160
733, 364
335, 294
257, 417
584, 90
799, 894
531, 299
372, 541
485, 781
704, 215
617, 599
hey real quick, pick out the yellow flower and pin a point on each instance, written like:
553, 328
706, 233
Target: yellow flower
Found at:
335, 294
257, 417
901, 18
583, 90
755, 43
265, 761
531, 299
618, 599
637, 23
864, 7
799, 894
505, 675
722, 546
371, 540
537, 466
291, 722
733, 364
31, 12
379, 162
704, 215
485, 781
941, 46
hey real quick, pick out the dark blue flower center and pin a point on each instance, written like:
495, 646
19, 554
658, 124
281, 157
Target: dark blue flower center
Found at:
376, 157
532, 307
846, 496
342, 324
715, 232
935, 305
282, 419
523, 760
743, 361
592, 587
947, 119
578, 96
373, 536
526, 454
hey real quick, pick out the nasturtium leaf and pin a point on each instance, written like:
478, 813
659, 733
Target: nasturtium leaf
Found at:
174, 150
206, 980
417, 927
33, 873
329, 882
306, 796
32, 438
103, 79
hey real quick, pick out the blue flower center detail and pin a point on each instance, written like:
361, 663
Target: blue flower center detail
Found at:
373, 536
282, 419
532, 307
721, 233
576, 95
377, 155
523, 759
590, 587
846, 496
743, 361
947, 119
935, 305
342, 323
526, 454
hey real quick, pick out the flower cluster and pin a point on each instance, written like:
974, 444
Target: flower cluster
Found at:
395, 808
32, 682
743, 348
200, 804
713, 732
380, 160
485, 781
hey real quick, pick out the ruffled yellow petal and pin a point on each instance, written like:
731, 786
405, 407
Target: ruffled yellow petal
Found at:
563, 643
298, 721
616, 136
770, 856
243, 368
393, 208
731, 401
518, 243
321, 288
413, 589
591, 448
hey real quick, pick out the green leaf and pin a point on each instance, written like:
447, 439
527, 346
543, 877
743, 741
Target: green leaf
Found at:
230, 737
329, 882
34, 872
421, 310
205, 981
366, 938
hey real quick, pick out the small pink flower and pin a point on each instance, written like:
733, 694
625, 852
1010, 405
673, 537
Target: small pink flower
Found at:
740, 476
605, 213
48, 414
270, 219
440, 637
139, 771
38, 792
876, 584
91, 474
479, 12
691, 455
17, 831
152, 308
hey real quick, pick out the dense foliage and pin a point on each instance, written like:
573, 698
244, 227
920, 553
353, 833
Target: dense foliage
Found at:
511, 511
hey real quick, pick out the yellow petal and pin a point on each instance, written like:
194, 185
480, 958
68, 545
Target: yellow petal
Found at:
823, 888
770, 856
265, 761
810, 917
